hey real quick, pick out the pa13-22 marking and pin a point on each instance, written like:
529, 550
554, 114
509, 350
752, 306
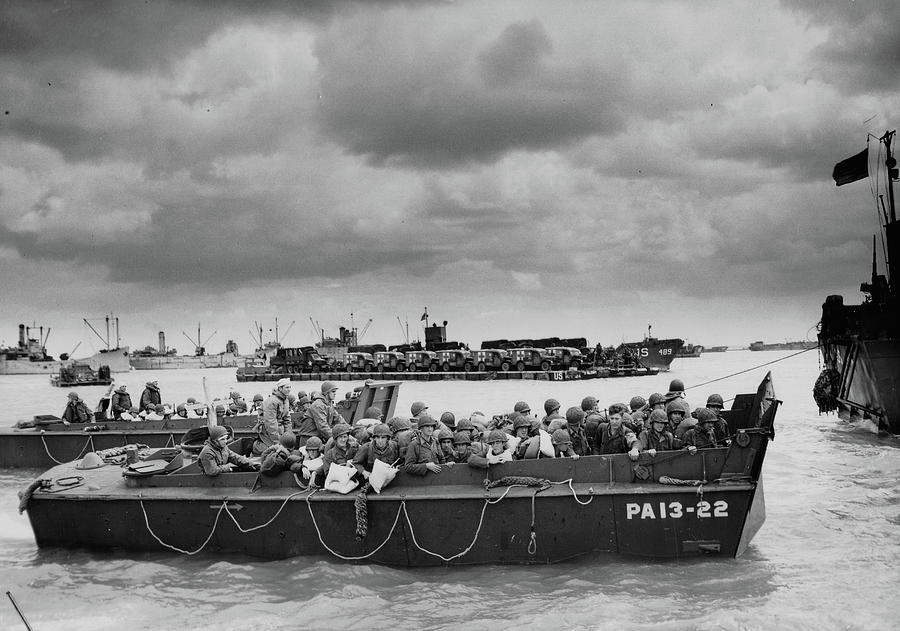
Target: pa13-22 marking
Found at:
675, 510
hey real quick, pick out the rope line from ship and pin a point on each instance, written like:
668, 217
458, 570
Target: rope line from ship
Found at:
741, 372
84, 450
510, 483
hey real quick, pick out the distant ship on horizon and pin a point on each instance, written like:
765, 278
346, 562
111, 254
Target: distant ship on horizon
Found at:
784, 346
30, 357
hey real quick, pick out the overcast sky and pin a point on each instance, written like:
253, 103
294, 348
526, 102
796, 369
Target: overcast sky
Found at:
523, 169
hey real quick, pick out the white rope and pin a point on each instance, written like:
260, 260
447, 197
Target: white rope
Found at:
574, 494
455, 556
274, 517
171, 441
90, 441
349, 558
171, 547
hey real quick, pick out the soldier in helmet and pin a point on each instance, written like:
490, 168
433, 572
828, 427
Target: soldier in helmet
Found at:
592, 418
181, 411
236, 403
256, 406
342, 451
551, 407
381, 447
403, 434
675, 413
575, 419
657, 436
271, 423
120, 403
417, 408
657, 401
445, 440
703, 435
715, 403
497, 451
522, 408
321, 415
466, 425
424, 453
463, 450
151, 396
562, 445
306, 460
76, 411
216, 457
638, 410
277, 458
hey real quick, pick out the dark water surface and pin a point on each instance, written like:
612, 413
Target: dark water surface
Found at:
826, 558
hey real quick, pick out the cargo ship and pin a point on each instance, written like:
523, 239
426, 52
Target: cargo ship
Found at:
860, 344
163, 358
30, 357
783, 346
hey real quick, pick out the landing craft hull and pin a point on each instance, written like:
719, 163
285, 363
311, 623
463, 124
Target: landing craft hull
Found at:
655, 353
51, 444
594, 504
869, 379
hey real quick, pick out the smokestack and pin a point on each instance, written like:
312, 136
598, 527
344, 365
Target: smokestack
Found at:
21, 336
162, 342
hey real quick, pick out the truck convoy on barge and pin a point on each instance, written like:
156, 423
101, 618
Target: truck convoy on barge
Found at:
550, 358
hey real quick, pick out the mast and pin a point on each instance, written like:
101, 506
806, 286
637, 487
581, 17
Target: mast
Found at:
892, 229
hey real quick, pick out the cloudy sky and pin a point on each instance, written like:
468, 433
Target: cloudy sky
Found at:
523, 169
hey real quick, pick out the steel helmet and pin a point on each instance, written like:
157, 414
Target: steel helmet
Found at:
520, 420
189, 399
676, 385
448, 419
715, 399
314, 442
464, 423
328, 386
497, 436
91, 460
705, 415
216, 432
588, 403
288, 440
462, 438
675, 406
373, 412
574, 415
426, 419
220, 409
417, 407
637, 403
256, 397
74, 396
444, 434
340, 429
398, 424
381, 430
560, 437
656, 398
551, 405
556, 424
658, 416
234, 394
522, 407
181, 408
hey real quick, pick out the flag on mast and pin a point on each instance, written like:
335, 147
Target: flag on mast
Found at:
852, 169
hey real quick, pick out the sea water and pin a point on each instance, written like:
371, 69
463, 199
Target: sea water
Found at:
827, 556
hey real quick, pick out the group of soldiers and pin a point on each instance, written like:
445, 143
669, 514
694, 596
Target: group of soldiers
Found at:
309, 443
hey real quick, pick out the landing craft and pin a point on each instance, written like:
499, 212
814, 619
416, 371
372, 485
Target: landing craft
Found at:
671, 505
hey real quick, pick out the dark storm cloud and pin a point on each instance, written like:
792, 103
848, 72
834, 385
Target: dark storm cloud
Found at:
434, 110
863, 43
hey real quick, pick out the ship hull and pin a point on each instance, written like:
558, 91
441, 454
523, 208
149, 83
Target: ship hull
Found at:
869, 386
225, 360
116, 359
654, 353
674, 505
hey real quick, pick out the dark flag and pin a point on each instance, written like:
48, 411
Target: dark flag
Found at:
424, 316
852, 169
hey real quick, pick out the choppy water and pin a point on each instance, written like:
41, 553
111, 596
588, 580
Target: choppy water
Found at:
826, 558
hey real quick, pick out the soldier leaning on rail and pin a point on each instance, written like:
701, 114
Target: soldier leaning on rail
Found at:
703, 435
381, 447
424, 453
342, 449
657, 436
615, 438
216, 457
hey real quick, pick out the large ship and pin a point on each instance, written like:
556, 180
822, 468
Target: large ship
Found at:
801, 345
30, 357
860, 344
163, 358
653, 352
